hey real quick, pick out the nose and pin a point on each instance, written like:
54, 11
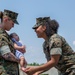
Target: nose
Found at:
12, 24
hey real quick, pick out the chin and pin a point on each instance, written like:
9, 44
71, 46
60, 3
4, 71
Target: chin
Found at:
39, 37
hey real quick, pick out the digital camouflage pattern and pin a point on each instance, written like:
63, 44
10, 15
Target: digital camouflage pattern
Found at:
40, 21
66, 64
7, 67
12, 15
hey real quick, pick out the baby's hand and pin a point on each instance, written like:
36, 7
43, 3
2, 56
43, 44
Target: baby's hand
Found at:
23, 49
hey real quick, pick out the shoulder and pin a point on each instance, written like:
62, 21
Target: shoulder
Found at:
3, 38
56, 37
56, 40
2, 32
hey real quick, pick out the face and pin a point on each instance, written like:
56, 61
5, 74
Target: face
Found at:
16, 37
40, 31
8, 23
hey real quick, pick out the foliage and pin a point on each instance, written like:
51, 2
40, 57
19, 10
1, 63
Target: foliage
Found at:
34, 64
44, 74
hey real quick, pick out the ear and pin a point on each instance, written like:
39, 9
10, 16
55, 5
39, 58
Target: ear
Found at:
44, 27
5, 19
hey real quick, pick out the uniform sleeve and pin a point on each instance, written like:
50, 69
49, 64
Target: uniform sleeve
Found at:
3, 40
54, 51
56, 46
4, 49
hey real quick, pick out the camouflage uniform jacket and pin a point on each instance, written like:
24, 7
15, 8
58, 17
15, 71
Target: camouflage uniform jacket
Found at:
53, 45
7, 67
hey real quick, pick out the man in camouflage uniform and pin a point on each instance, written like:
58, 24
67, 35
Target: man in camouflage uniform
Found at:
8, 60
57, 51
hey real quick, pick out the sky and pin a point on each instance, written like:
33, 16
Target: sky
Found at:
28, 10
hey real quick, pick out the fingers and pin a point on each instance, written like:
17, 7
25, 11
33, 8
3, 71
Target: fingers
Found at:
25, 70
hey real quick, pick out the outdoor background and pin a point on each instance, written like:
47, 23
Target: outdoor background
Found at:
61, 10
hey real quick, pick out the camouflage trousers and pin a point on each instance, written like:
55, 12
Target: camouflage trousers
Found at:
69, 71
4, 72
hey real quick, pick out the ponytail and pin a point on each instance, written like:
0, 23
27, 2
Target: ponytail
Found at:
51, 27
1, 15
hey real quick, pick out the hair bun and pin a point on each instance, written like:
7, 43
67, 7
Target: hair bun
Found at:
1, 14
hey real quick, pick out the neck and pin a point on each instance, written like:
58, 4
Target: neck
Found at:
45, 37
2, 25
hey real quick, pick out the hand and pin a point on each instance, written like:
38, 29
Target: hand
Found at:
29, 70
37, 73
23, 49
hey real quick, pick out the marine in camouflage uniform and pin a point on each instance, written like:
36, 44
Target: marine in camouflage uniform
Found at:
7, 67
56, 44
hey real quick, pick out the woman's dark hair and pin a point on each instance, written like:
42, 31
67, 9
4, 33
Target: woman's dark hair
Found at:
1, 15
51, 27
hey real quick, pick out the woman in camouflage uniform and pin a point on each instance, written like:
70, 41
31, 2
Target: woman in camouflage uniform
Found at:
57, 51
8, 61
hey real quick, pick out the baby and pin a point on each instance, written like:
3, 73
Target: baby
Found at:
20, 49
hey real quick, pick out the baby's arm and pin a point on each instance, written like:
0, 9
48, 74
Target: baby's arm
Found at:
20, 48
